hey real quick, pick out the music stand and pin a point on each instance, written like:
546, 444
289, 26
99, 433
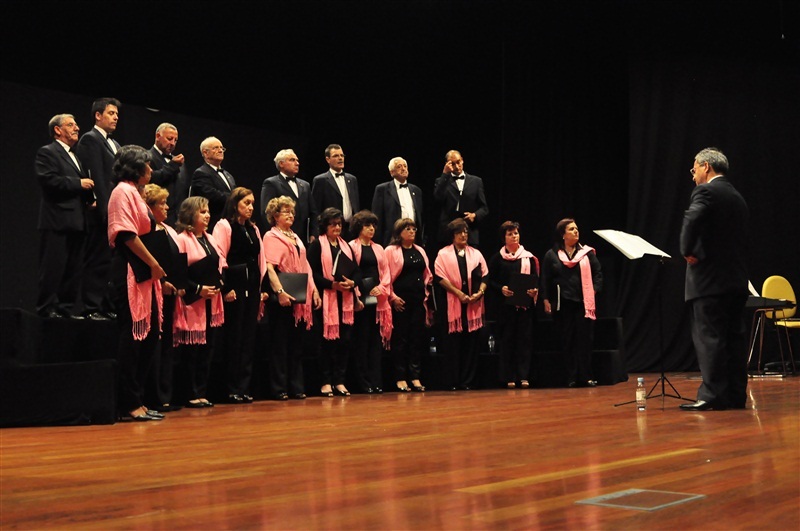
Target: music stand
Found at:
635, 247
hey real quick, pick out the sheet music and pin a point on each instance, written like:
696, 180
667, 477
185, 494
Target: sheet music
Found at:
752, 289
631, 245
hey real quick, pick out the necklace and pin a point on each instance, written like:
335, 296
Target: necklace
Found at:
289, 234
204, 243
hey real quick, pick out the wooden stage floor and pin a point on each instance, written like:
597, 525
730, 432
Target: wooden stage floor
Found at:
497, 459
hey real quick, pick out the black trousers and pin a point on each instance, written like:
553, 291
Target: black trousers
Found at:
576, 335
96, 276
60, 266
162, 372
285, 350
516, 343
367, 348
719, 337
410, 338
197, 361
334, 355
239, 331
461, 353
134, 357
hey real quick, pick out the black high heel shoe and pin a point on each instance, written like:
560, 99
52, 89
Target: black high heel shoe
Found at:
405, 389
417, 388
339, 392
326, 393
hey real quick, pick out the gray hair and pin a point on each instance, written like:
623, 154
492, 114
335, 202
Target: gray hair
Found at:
204, 144
715, 158
394, 161
283, 155
167, 125
56, 121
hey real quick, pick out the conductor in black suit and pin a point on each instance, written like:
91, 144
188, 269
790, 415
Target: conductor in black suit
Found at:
396, 199
335, 188
168, 169
712, 241
289, 184
459, 195
66, 192
211, 181
96, 150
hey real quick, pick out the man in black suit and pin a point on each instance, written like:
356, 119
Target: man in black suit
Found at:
96, 151
396, 199
66, 192
335, 188
287, 183
168, 168
211, 181
459, 195
712, 241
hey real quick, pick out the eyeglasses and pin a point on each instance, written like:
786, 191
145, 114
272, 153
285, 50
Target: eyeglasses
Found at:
335, 224
693, 170
218, 148
287, 213
413, 229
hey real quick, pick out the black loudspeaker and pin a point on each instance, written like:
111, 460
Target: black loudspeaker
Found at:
58, 394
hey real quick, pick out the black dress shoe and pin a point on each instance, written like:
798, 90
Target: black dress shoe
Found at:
378, 390
465, 388
248, 399
701, 405
572, 385
282, 396
195, 405
591, 383
236, 399
369, 391
110, 315
154, 413
299, 396
97, 316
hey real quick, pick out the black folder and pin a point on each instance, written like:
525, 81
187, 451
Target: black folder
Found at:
367, 284
295, 284
520, 283
235, 277
477, 277
204, 272
157, 242
343, 267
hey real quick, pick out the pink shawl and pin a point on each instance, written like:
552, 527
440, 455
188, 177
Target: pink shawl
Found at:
447, 267
330, 302
282, 252
394, 257
222, 235
523, 256
189, 324
383, 312
127, 212
586, 276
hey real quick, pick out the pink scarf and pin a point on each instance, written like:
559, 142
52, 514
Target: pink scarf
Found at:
127, 212
394, 257
586, 277
330, 302
383, 312
447, 267
189, 324
525, 260
222, 235
289, 256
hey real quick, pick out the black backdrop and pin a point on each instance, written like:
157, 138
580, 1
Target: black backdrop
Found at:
587, 109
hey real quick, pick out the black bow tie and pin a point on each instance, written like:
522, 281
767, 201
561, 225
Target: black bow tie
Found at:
291, 179
457, 177
404, 185
340, 174
220, 170
167, 157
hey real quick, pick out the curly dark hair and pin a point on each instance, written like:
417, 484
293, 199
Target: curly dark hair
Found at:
328, 215
130, 163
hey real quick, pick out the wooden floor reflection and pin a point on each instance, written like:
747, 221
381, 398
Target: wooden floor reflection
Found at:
499, 459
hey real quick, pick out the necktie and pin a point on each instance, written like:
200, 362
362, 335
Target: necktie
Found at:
404, 185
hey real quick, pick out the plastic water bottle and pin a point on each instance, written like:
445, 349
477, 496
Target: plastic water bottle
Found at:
432, 347
641, 395
491, 343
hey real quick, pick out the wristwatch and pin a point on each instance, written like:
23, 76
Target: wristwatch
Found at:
279, 291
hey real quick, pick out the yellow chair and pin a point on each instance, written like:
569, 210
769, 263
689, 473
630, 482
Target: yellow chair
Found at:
777, 287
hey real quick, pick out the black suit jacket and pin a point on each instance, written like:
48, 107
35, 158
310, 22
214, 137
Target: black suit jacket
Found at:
326, 193
97, 159
63, 200
174, 177
452, 205
714, 231
208, 183
386, 205
305, 213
